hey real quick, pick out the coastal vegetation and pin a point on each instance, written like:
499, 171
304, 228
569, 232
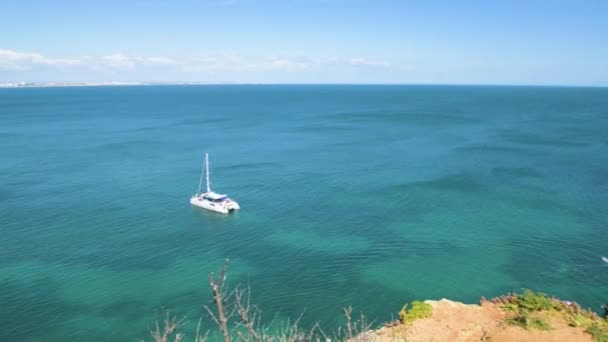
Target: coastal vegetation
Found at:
419, 310
531, 310
525, 306
239, 320
236, 319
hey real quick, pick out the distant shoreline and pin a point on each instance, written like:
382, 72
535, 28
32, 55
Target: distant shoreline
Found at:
83, 84
10, 85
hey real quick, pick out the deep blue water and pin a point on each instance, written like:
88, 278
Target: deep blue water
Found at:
368, 196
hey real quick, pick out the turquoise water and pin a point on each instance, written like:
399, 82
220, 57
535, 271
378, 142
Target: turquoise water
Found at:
351, 195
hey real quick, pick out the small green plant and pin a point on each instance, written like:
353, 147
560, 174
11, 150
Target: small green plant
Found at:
525, 308
598, 331
527, 321
525, 304
579, 320
419, 310
533, 301
593, 325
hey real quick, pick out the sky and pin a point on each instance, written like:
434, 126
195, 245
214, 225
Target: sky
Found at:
531, 42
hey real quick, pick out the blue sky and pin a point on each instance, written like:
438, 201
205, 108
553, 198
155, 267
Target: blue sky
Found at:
554, 42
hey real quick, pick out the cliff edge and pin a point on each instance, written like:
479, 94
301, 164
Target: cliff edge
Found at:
489, 321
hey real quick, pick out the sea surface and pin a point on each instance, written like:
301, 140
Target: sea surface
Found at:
369, 196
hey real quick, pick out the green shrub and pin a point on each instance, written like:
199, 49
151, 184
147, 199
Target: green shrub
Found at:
419, 310
526, 304
595, 326
526, 321
599, 331
532, 301
579, 320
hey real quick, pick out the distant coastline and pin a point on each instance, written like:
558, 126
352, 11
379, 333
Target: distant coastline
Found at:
87, 84
116, 83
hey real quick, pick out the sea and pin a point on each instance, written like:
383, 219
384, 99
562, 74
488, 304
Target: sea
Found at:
368, 196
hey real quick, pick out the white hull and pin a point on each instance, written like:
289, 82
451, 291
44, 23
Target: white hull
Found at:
210, 200
219, 207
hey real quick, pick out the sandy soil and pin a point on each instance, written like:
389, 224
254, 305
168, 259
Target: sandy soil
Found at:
452, 321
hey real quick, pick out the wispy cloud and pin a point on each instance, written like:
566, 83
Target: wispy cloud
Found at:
159, 60
15, 60
210, 63
235, 62
121, 61
289, 65
367, 62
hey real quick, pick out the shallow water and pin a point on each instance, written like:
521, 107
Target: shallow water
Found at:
351, 195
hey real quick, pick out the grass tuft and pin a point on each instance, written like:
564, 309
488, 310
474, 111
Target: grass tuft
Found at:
534, 301
598, 331
580, 320
525, 305
419, 310
527, 321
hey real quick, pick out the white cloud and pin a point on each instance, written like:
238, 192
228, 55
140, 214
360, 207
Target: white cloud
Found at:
159, 60
288, 65
221, 62
213, 63
15, 60
235, 62
367, 62
119, 60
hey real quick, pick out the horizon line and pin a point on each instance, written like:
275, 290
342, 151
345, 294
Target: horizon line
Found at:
51, 84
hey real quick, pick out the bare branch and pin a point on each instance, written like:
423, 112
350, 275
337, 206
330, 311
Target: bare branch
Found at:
170, 325
217, 286
349, 327
222, 277
211, 314
323, 334
198, 337
247, 313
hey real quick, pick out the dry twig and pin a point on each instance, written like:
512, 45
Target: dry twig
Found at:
217, 290
169, 326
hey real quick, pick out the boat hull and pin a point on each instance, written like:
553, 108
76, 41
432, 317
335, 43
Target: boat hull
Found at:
218, 207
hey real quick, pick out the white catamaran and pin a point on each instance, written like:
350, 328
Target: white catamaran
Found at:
210, 200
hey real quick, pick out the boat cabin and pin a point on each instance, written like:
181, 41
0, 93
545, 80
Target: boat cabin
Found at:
213, 197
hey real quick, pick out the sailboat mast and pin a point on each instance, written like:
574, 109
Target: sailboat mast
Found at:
207, 171
200, 181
